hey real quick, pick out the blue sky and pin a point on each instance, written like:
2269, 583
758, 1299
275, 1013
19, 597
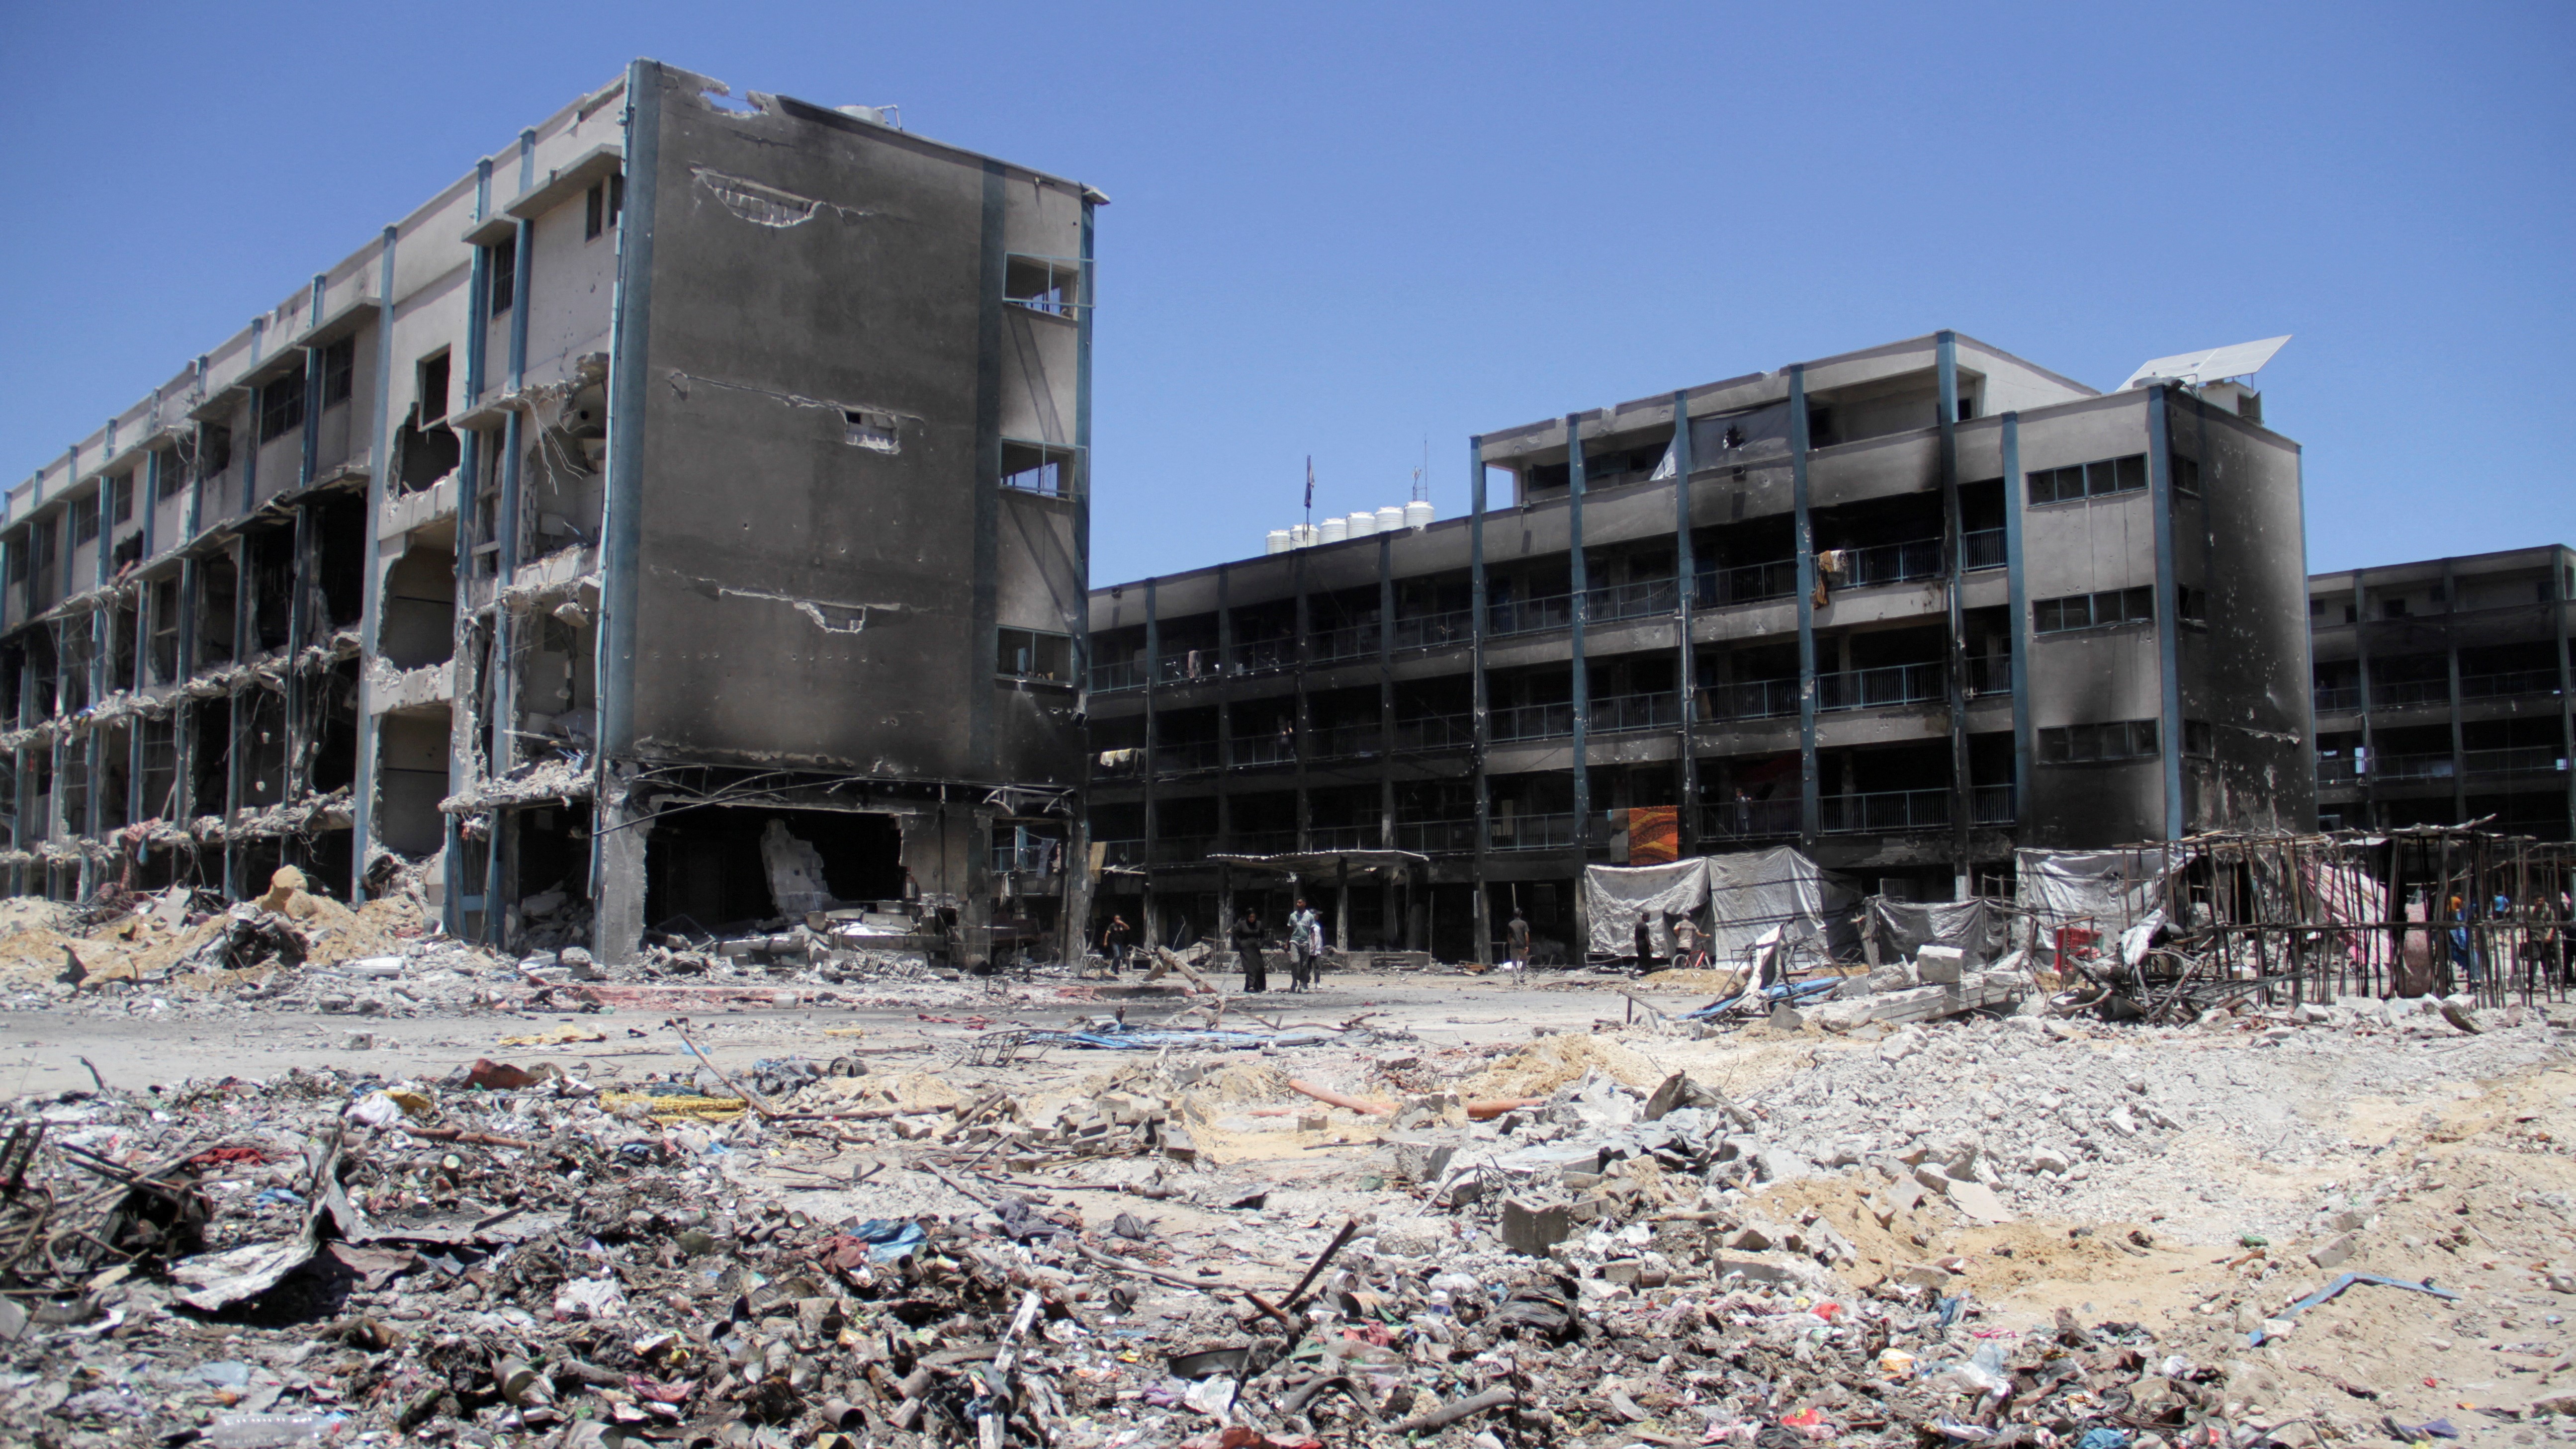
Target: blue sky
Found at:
1345, 230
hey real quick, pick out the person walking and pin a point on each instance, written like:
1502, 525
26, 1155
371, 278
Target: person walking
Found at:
1686, 944
1516, 940
1247, 945
1305, 933
1114, 942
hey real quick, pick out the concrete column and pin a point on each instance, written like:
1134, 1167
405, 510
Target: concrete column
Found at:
2016, 501
237, 759
1955, 664
380, 461
1305, 705
1386, 691
1685, 655
1152, 761
1224, 712
2451, 659
2168, 614
1480, 713
1581, 581
2361, 662
617, 927
1810, 802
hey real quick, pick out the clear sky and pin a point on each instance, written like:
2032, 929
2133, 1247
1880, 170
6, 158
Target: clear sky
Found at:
1351, 231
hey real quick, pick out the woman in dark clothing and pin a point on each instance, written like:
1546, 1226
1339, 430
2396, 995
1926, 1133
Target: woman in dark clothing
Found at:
1247, 943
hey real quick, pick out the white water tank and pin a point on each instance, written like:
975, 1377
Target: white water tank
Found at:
1363, 524
1390, 519
1303, 535
1332, 530
1277, 541
1417, 514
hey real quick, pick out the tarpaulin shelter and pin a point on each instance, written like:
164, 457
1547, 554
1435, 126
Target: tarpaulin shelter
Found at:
2114, 889
1901, 928
1745, 894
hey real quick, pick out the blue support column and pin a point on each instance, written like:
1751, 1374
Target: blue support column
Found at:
380, 459
1152, 924
502, 698
1480, 910
1581, 584
2016, 499
617, 847
1810, 801
1955, 667
1685, 652
2168, 615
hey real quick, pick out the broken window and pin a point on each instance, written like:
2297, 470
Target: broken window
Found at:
339, 371
2186, 476
504, 274
2093, 611
169, 476
599, 209
2191, 606
2090, 743
2197, 738
1052, 285
281, 406
1028, 654
433, 387
876, 432
1037, 468
2089, 480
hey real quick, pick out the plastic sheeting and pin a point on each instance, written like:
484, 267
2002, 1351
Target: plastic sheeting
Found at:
2115, 889
1746, 894
1902, 928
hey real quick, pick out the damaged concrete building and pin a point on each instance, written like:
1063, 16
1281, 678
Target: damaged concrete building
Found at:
681, 516
1905, 608
2443, 693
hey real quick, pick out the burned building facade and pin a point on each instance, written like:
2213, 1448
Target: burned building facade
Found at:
1904, 608
682, 517
2443, 693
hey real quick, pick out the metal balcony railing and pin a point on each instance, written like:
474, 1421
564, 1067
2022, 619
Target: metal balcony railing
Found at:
1432, 631
1261, 842
1504, 618
1614, 713
1749, 820
1993, 804
1342, 837
1874, 688
1115, 675
1436, 837
2401, 693
2522, 760
1640, 600
1436, 732
1750, 699
1534, 832
1531, 722
2411, 767
1748, 584
1350, 641
1891, 563
1187, 755
1345, 742
1265, 750
1884, 812
1990, 674
2509, 685
2338, 699
2339, 770
1984, 548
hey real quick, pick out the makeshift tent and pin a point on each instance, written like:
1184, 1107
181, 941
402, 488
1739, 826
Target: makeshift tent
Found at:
2114, 889
1902, 928
1746, 894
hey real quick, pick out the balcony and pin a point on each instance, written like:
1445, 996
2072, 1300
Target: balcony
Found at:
1436, 837
1342, 837
1884, 812
1528, 616
1984, 548
2339, 770
2520, 683
1531, 722
1534, 832
1345, 742
1889, 563
1752, 699
1434, 631
1750, 820
1748, 584
2338, 699
2403, 693
1877, 688
1614, 713
1436, 732
1261, 842
1174, 759
2525, 760
2400, 769
1993, 805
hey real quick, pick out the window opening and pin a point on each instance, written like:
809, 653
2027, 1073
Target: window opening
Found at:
433, 387
876, 432
2186, 476
2093, 611
2092, 743
84, 523
2191, 605
1052, 285
339, 371
1028, 654
2198, 739
2089, 480
1038, 468
120, 497
504, 273
281, 406
170, 477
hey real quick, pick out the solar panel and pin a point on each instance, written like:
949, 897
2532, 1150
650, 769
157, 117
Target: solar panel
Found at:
2240, 360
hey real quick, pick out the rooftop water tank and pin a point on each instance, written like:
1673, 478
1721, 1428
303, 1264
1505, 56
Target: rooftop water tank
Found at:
1362, 524
1390, 519
1417, 514
1277, 541
1303, 535
1332, 530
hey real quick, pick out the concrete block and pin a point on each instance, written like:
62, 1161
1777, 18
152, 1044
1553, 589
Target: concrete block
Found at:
1941, 965
1775, 1164
1530, 1229
1979, 1201
1417, 1160
2333, 1251
1934, 1179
